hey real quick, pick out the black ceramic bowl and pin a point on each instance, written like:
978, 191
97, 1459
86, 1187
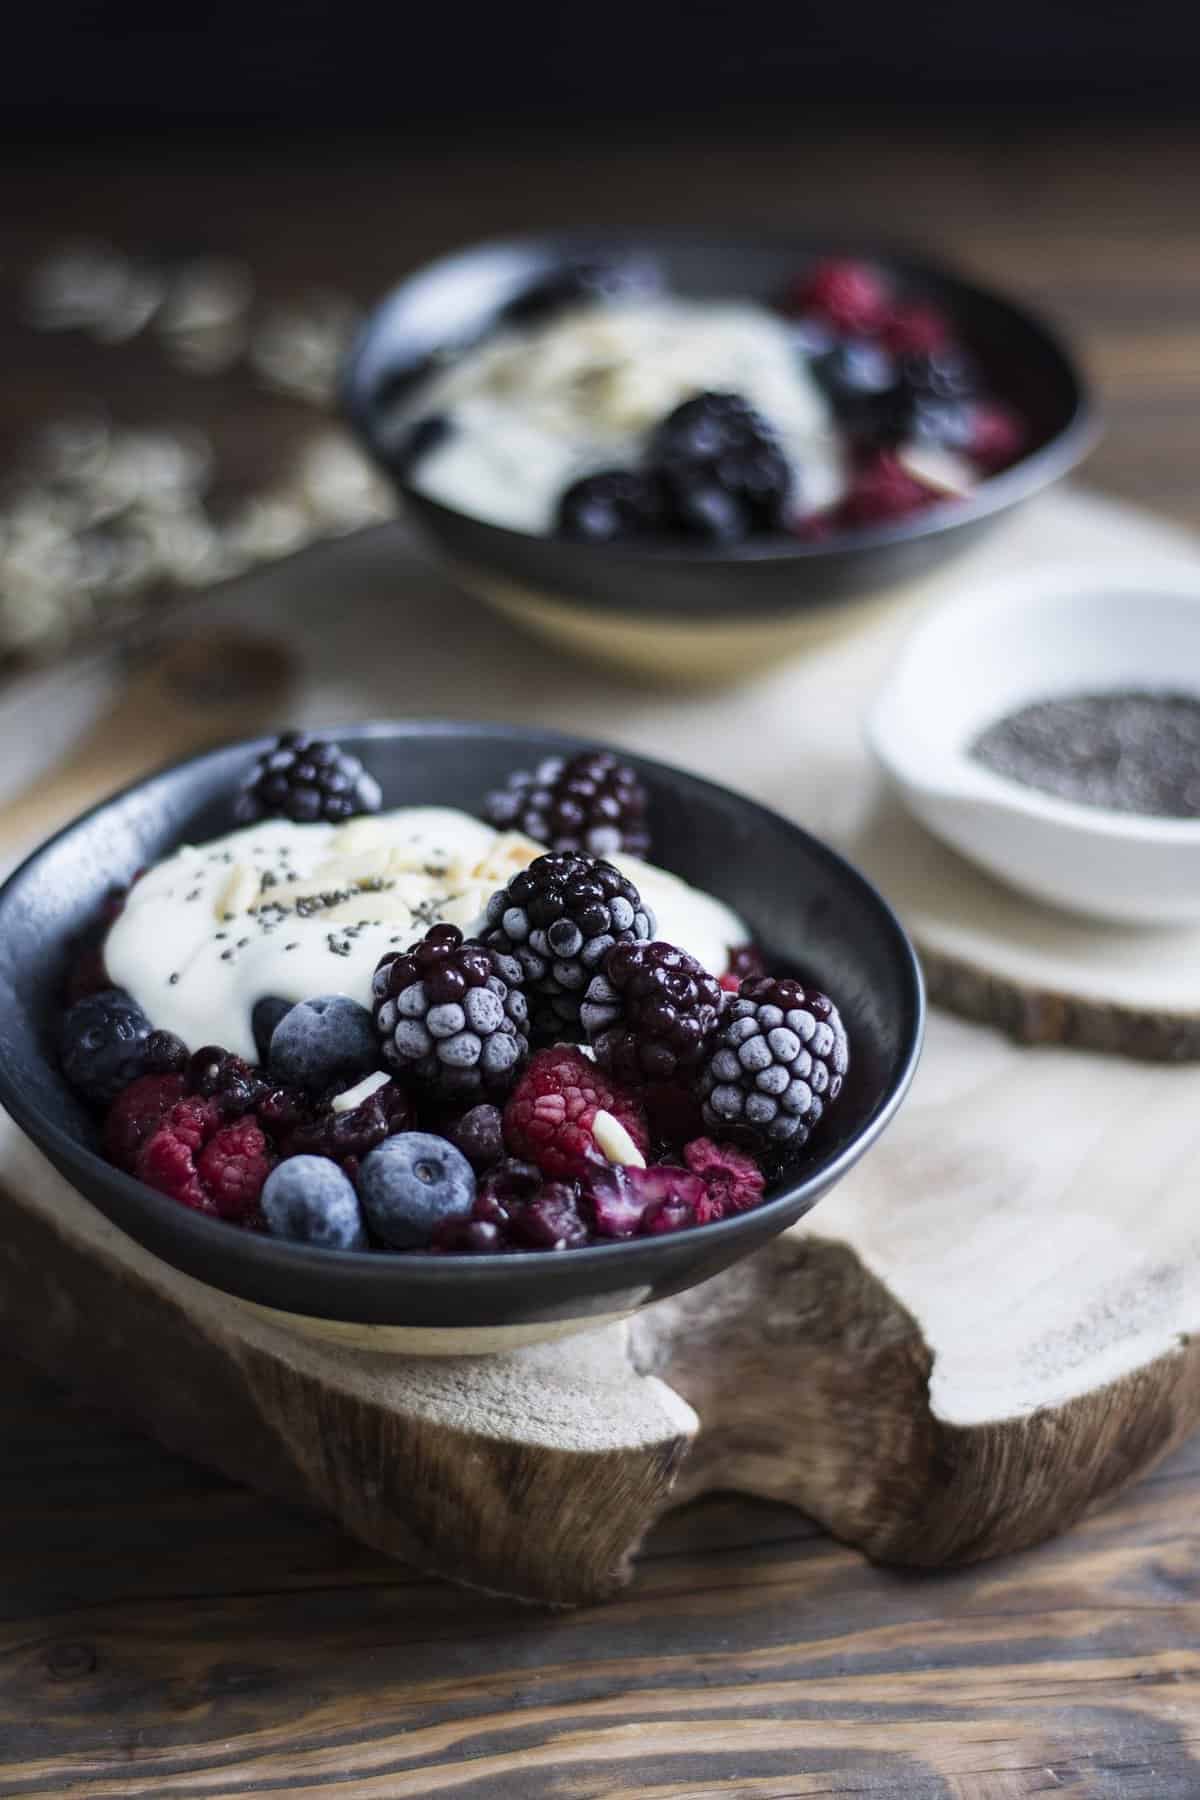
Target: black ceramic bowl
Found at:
803, 901
693, 610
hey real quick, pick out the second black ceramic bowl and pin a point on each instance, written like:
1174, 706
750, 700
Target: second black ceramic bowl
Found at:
692, 610
809, 907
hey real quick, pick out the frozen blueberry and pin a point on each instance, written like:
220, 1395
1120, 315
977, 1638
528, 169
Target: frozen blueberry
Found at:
102, 1047
413, 1183
310, 1201
266, 1015
322, 1041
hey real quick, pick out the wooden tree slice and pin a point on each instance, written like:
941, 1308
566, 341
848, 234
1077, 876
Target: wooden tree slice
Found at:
989, 1327
994, 1323
1043, 976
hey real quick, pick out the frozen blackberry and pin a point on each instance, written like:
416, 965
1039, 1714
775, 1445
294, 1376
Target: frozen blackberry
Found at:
306, 779
560, 917
722, 467
776, 1065
452, 1015
593, 803
610, 505
651, 1012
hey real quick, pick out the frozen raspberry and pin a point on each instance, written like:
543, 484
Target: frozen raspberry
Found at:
733, 1181
167, 1160
849, 295
882, 491
232, 1167
913, 328
137, 1114
549, 1118
997, 437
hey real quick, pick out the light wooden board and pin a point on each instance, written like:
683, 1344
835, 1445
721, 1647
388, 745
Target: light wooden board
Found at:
990, 1325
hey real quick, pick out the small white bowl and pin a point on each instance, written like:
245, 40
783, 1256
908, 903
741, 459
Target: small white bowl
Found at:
1051, 630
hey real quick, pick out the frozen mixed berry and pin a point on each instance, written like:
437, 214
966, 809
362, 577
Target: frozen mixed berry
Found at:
863, 385
777, 1063
233, 1086
302, 1126
997, 436
611, 505
915, 328
551, 1220
592, 803
479, 1134
412, 1185
549, 1119
846, 294
167, 1160
136, 1114
102, 1044
452, 1015
306, 778
232, 1167
623, 1202
308, 1200
882, 491
722, 467
947, 373
321, 1041
651, 1012
733, 1181
560, 917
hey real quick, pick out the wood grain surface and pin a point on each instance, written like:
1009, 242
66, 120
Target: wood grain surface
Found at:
167, 1634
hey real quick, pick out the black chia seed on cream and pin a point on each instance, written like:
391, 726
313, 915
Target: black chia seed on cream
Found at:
1133, 750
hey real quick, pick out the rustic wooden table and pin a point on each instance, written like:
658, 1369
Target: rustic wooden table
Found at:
166, 1633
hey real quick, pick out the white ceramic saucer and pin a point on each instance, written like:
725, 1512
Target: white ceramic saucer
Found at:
1052, 629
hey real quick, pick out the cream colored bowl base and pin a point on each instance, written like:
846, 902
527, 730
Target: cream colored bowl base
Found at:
680, 650
429, 1340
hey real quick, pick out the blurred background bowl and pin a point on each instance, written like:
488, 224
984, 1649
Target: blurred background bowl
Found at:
692, 611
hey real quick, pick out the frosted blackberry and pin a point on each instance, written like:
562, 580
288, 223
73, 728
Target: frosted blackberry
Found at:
452, 1015
591, 803
651, 1012
560, 917
722, 467
306, 779
776, 1065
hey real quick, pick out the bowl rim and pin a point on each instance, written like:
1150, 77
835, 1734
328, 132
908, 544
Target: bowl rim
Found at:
263, 1251
1074, 439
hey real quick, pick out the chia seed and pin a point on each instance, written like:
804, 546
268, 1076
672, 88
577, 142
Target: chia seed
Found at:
1133, 751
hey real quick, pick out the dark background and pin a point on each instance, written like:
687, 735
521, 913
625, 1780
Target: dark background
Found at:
86, 66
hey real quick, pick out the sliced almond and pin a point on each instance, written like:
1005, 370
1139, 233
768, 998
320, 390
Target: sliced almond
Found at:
356, 1095
240, 893
616, 1142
